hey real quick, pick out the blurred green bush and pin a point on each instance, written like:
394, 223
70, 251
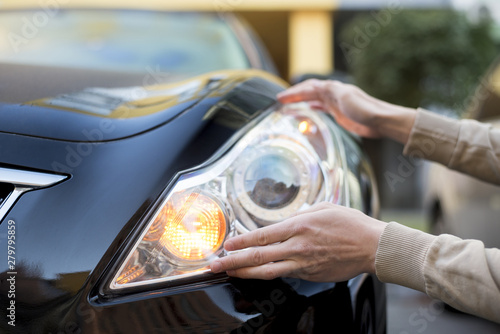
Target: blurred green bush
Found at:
431, 58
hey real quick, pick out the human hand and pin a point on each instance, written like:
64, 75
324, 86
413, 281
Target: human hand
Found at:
325, 243
353, 109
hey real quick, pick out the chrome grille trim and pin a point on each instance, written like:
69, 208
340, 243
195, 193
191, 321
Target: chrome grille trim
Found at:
24, 181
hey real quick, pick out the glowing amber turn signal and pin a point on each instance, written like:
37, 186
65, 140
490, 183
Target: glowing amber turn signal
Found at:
195, 226
190, 227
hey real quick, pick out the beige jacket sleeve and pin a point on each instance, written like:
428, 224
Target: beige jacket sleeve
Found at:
463, 145
462, 273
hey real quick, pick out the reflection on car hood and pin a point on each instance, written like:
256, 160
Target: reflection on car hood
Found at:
103, 114
132, 102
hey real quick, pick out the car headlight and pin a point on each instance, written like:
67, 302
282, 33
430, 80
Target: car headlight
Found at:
286, 163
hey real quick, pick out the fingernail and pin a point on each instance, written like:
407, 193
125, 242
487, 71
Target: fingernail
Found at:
216, 267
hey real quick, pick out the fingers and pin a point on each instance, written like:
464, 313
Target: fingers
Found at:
271, 234
277, 242
278, 254
250, 258
304, 91
317, 105
267, 271
260, 237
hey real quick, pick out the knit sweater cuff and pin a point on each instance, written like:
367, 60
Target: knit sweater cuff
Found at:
401, 256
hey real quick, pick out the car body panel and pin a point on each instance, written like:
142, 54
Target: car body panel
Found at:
120, 146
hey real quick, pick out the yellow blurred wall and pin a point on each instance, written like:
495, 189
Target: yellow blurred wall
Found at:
299, 41
310, 35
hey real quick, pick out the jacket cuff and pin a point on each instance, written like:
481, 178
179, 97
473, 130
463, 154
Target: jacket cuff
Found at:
401, 256
433, 137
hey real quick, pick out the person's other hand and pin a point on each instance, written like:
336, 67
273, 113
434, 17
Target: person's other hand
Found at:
324, 243
353, 109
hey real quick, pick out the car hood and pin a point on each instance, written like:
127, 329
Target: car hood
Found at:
90, 110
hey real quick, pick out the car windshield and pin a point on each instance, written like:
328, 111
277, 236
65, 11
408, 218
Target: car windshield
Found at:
181, 44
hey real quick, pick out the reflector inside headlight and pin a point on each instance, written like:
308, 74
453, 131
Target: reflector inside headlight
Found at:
286, 163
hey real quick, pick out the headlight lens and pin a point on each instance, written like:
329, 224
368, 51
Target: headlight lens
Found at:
271, 181
286, 163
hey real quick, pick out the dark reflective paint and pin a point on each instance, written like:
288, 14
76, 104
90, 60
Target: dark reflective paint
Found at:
103, 114
69, 236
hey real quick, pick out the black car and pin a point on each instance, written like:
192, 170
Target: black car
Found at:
132, 145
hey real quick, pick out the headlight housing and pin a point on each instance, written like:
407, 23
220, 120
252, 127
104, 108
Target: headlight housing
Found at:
286, 163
